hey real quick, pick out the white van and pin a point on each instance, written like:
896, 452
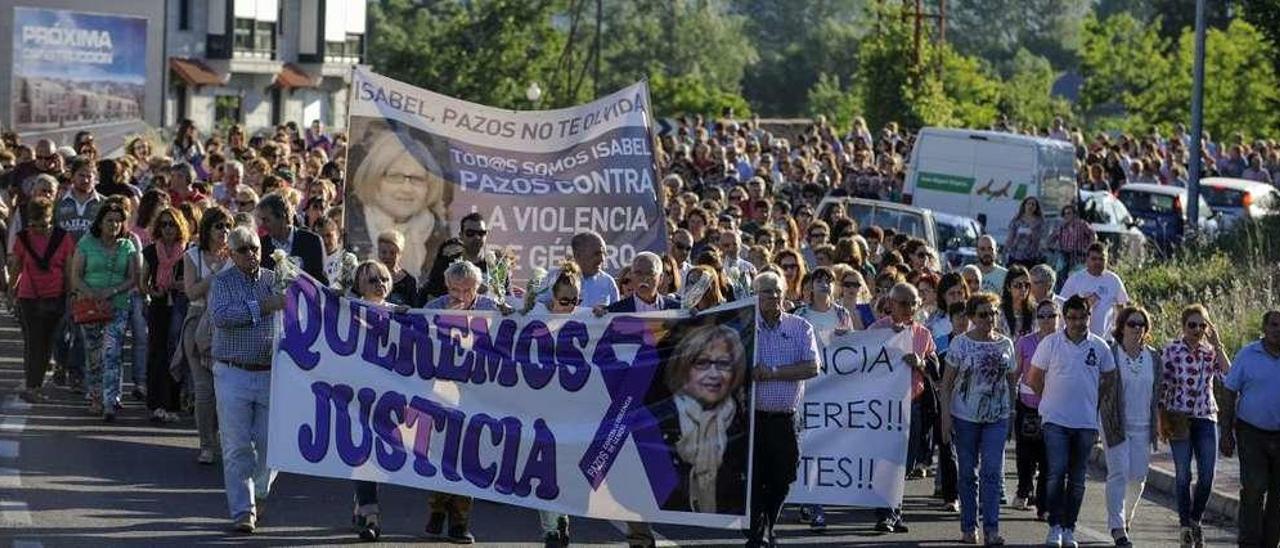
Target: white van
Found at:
987, 174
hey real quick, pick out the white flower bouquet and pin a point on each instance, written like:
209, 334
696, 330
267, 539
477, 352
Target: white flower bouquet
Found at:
287, 270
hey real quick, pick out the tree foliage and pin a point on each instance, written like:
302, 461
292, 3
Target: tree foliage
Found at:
483, 51
798, 41
1027, 95
996, 29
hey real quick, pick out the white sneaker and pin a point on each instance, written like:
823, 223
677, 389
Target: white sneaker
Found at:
1069, 538
1054, 538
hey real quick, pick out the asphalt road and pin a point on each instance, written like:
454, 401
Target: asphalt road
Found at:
68, 479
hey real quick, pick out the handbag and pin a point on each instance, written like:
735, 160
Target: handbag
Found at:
1029, 425
88, 310
1174, 425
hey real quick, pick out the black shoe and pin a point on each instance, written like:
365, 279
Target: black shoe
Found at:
459, 534
552, 539
900, 527
884, 526
60, 377
435, 526
31, 395
1120, 537
368, 528
562, 527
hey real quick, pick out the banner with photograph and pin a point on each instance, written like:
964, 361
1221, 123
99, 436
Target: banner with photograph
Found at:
632, 417
73, 69
420, 161
856, 417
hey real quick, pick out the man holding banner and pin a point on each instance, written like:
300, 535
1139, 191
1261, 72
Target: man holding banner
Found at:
786, 355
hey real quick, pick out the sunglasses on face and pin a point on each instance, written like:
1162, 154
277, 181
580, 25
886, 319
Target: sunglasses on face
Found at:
1019, 285
247, 250
568, 301
684, 247
790, 266
723, 366
1196, 325
1136, 324
472, 233
850, 285
985, 314
168, 224
1047, 316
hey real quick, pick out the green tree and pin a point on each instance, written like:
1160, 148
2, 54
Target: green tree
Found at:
1027, 95
829, 98
798, 41
972, 86
1264, 15
1120, 60
487, 51
1240, 84
996, 29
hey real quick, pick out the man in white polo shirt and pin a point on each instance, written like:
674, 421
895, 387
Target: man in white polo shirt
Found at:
1066, 371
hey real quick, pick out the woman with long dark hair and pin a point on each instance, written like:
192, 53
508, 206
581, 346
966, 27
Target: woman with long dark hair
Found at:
209, 256
105, 268
37, 264
1026, 235
1016, 308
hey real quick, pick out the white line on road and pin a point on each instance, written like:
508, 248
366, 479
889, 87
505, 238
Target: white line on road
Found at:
10, 478
14, 513
28, 544
9, 449
13, 425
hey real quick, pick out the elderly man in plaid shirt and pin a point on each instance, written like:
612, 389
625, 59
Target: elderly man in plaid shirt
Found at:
786, 355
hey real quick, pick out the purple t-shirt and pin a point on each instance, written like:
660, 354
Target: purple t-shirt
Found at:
1025, 348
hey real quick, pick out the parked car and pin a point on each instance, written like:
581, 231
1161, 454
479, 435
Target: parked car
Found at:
904, 219
1163, 211
1114, 225
1239, 199
957, 239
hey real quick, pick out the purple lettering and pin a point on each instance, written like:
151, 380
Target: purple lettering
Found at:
541, 465
536, 374
574, 369
313, 442
352, 454
450, 349
340, 346
377, 335
298, 338
387, 416
493, 356
479, 476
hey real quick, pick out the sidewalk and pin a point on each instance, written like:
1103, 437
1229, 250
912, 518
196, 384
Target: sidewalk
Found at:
1224, 502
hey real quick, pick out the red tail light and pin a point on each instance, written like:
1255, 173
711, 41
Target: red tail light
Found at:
1177, 204
1248, 199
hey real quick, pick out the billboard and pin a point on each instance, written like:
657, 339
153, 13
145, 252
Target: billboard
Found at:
73, 69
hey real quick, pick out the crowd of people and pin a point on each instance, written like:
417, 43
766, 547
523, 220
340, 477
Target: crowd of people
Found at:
170, 253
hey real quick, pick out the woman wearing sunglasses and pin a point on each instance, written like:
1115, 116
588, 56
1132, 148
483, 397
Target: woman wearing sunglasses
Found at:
372, 284
1134, 397
209, 256
566, 298
976, 400
1188, 414
1032, 462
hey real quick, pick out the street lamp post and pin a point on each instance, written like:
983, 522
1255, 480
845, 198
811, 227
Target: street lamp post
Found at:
1197, 123
533, 93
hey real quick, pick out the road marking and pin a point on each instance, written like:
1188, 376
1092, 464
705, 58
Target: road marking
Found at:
13, 425
28, 544
9, 449
1093, 534
658, 539
10, 478
14, 513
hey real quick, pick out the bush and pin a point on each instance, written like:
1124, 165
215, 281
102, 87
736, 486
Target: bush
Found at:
1236, 277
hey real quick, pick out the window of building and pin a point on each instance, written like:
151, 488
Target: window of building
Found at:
255, 38
352, 48
184, 14
226, 110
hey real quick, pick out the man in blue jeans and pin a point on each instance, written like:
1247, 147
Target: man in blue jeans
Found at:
1066, 371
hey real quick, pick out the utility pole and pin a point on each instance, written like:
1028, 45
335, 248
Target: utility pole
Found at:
1197, 123
599, 31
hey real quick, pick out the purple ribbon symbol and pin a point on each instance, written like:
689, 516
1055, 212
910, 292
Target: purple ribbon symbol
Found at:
627, 384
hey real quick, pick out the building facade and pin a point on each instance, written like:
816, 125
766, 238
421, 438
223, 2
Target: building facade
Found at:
261, 62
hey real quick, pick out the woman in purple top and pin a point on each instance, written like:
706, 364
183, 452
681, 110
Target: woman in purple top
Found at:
1032, 461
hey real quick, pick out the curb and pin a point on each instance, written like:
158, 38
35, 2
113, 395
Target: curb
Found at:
1223, 505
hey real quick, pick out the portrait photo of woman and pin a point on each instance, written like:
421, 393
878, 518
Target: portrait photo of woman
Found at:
398, 182
704, 422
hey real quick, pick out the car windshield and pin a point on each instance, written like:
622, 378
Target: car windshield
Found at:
1222, 197
957, 235
904, 222
1147, 202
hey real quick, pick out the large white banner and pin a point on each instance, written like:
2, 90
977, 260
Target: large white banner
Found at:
633, 417
856, 418
421, 161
